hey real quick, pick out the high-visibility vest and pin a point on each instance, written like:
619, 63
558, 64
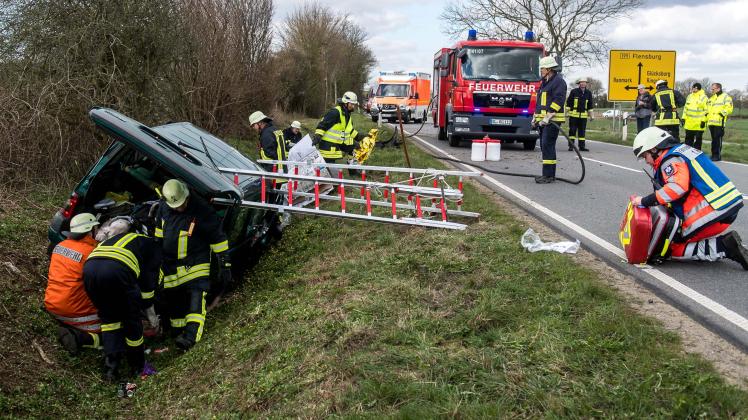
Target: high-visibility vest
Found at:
720, 194
694, 113
65, 296
720, 106
280, 151
667, 113
118, 251
341, 133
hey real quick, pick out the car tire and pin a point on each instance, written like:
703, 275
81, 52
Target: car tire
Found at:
407, 118
529, 144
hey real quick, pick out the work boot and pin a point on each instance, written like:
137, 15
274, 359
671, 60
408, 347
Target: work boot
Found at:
184, 342
545, 179
583, 147
734, 248
68, 339
111, 368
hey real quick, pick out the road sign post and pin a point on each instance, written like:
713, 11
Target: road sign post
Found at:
629, 68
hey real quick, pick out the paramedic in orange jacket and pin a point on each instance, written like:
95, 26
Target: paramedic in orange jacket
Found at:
65, 298
698, 193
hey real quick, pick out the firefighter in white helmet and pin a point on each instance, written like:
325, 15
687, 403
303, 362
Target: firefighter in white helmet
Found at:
272, 144
549, 108
335, 133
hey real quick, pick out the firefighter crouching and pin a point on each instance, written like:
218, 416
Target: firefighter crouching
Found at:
335, 134
65, 297
112, 276
550, 107
704, 201
190, 230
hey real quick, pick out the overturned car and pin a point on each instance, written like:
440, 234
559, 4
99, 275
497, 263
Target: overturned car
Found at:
126, 181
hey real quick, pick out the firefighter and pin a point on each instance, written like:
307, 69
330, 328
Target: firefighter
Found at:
694, 116
190, 230
65, 297
335, 133
665, 108
703, 200
579, 103
111, 276
292, 134
719, 107
550, 108
272, 144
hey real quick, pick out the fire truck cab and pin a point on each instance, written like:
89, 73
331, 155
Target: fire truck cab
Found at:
487, 87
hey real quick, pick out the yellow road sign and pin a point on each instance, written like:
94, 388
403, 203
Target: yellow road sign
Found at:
629, 68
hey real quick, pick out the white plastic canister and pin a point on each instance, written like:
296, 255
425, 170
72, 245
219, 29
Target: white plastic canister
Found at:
478, 150
493, 150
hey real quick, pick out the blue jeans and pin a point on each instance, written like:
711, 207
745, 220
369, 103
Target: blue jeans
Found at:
642, 123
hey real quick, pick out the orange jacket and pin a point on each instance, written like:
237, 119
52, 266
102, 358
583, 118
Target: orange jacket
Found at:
65, 297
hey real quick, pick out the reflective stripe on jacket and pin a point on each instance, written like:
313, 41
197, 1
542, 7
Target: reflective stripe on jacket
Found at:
138, 254
699, 192
720, 106
579, 103
551, 98
667, 110
273, 147
694, 113
65, 296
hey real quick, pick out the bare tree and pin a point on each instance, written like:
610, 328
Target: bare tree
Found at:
570, 28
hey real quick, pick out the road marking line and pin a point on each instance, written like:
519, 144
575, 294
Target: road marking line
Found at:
716, 308
614, 165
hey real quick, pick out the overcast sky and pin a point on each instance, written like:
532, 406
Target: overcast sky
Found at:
710, 38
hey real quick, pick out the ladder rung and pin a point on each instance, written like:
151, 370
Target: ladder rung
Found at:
398, 169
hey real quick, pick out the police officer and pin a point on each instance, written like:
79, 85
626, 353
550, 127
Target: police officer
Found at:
579, 103
111, 276
550, 108
720, 106
65, 297
272, 143
190, 231
292, 134
703, 200
694, 116
665, 107
335, 133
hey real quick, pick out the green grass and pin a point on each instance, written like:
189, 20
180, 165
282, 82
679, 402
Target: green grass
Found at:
357, 320
734, 148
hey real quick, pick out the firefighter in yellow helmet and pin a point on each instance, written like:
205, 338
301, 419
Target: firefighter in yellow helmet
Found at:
335, 133
191, 233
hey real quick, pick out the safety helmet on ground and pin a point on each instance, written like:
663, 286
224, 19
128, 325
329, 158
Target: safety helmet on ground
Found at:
583, 79
83, 223
548, 62
175, 193
349, 98
295, 124
652, 138
660, 82
256, 117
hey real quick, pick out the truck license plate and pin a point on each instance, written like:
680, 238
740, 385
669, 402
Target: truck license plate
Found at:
499, 121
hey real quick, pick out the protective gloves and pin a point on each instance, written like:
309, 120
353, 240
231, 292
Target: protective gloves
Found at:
547, 119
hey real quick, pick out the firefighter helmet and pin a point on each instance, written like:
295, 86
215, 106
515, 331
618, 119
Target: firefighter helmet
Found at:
256, 117
652, 138
583, 79
349, 98
83, 223
175, 193
548, 62
661, 82
295, 124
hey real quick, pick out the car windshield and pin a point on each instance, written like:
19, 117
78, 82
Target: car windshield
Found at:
392, 90
500, 63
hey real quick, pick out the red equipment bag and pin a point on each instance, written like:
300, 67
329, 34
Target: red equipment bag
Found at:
636, 232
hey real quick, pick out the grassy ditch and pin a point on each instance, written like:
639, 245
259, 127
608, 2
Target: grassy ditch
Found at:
355, 319
734, 147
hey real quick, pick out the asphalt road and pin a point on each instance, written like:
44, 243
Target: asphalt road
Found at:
716, 294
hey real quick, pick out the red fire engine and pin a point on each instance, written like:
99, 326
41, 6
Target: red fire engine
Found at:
487, 87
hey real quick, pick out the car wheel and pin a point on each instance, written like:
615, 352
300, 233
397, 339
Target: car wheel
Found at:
528, 145
407, 118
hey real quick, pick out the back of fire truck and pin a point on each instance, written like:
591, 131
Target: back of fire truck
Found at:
487, 87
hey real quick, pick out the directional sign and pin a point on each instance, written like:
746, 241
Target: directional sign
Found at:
629, 68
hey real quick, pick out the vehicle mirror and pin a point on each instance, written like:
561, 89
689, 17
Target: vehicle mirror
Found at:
462, 54
444, 64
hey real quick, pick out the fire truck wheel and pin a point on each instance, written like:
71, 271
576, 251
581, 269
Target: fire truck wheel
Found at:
454, 141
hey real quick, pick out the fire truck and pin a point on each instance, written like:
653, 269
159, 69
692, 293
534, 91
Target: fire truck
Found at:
487, 88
